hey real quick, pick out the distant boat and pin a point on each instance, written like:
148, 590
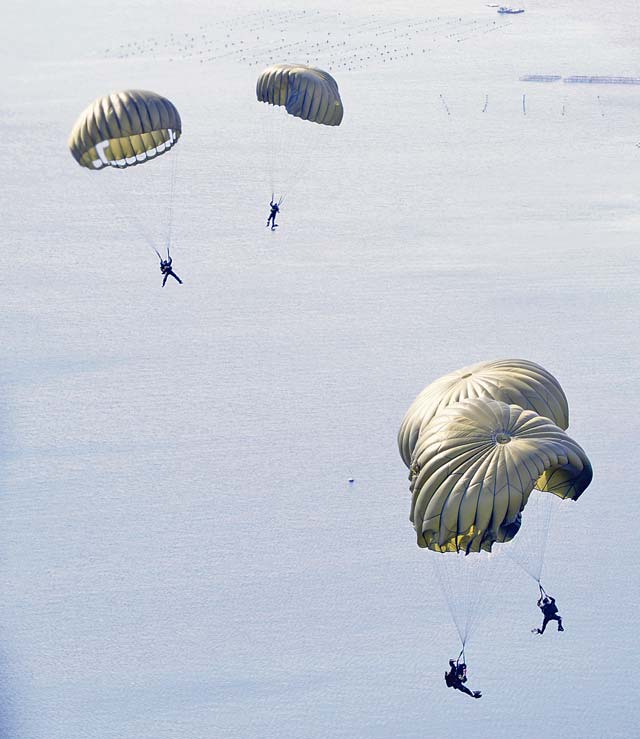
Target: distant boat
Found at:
510, 11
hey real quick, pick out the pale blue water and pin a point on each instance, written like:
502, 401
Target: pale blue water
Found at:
181, 553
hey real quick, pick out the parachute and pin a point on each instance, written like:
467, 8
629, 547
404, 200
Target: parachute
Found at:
516, 381
478, 443
297, 95
124, 129
305, 92
474, 467
120, 131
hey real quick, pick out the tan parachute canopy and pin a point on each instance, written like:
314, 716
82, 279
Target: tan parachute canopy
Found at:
474, 467
517, 381
124, 129
305, 92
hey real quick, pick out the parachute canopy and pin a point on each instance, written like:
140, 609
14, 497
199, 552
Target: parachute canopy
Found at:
517, 381
474, 467
124, 129
305, 92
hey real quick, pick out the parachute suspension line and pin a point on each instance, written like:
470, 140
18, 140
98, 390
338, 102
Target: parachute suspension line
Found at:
461, 656
148, 240
467, 583
544, 528
446, 587
128, 216
540, 524
290, 146
311, 142
528, 548
270, 143
172, 188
